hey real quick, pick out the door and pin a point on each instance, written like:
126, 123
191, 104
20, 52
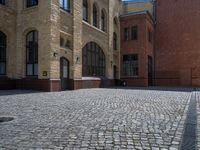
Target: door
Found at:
115, 74
150, 71
64, 73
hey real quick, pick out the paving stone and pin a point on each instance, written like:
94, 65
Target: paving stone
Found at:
94, 119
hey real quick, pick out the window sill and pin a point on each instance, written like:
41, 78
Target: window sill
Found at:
93, 27
66, 49
125, 77
33, 8
65, 11
31, 77
91, 78
3, 77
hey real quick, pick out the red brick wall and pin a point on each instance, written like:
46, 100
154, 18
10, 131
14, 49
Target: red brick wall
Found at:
177, 55
141, 46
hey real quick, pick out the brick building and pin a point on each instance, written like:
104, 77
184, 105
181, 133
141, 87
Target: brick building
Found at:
177, 46
70, 44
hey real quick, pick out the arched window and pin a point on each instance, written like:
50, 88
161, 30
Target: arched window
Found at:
32, 53
103, 20
95, 15
93, 60
85, 10
114, 41
30, 3
65, 5
2, 53
115, 21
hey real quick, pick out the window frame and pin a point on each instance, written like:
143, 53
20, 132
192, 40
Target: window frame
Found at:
94, 61
150, 36
134, 32
85, 10
3, 51
65, 7
30, 3
34, 51
103, 20
115, 47
126, 34
95, 16
130, 65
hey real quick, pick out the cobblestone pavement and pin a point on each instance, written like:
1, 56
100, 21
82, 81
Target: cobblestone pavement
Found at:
94, 119
198, 119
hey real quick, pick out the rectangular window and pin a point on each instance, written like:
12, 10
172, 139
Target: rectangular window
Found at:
134, 33
65, 5
126, 34
2, 2
130, 65
150, 36
31, 3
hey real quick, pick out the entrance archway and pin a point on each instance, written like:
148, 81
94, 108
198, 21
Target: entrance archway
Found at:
64, 73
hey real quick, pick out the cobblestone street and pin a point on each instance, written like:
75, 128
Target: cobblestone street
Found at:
150, 119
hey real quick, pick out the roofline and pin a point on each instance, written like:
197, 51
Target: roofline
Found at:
145, 12
134, 13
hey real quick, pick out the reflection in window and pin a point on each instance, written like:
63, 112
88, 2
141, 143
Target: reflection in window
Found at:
103, 20
32, 53
95, 15
126, 34
85, 10
65, 5
130, 65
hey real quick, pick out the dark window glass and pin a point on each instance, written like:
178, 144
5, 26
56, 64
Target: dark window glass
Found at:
95, 15
150, 36
30, 3
93, 60
2, 2
134, 33
130, 65
85, 10
115, 41
115, 21
32, 53
2, 53
103, 21
126, 34
67, 44
61, 42
65, 5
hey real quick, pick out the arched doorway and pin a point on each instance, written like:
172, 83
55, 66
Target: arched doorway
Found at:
64, 73
2, 53
94, 64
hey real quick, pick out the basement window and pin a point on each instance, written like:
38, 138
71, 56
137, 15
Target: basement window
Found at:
31, 3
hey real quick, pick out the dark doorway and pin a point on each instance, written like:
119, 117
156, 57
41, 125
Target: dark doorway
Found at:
115, 75
150, 71
64, 73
